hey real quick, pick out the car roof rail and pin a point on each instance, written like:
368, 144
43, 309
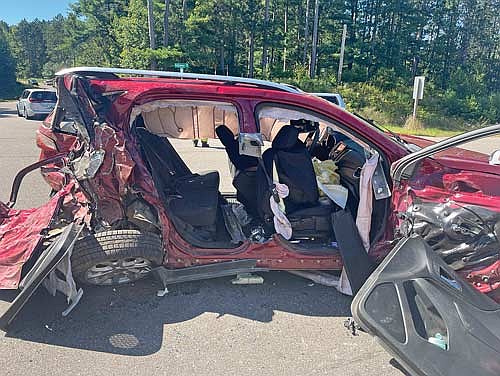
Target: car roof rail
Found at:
110, 72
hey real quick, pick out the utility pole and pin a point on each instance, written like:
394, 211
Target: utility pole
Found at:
312, 69
306, 33
166, 23
286, 30
342, 49
183, 23
264, 40
152, 39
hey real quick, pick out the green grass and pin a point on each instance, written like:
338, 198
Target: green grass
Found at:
432, 125
431, 132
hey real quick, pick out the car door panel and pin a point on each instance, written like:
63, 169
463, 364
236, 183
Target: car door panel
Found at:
430, 319
21, 232
45, 264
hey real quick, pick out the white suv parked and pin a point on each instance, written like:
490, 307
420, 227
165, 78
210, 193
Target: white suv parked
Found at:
334, 98
36, 102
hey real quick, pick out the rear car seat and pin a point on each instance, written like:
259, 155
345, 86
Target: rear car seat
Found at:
243, 169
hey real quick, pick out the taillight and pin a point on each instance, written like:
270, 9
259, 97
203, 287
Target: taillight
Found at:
45, 142
33, 100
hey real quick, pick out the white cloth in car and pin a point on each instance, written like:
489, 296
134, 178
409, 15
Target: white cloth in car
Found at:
364, 215
281, 223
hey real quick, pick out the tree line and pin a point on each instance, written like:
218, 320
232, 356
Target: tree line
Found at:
454, 43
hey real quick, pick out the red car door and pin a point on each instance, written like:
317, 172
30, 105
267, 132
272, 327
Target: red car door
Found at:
450, 196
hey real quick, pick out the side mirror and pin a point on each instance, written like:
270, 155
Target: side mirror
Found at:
495, 158
251, 144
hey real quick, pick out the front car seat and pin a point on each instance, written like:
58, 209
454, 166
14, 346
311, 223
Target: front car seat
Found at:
293, 164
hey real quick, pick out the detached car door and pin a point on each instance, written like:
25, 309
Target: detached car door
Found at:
432, 321
30, 246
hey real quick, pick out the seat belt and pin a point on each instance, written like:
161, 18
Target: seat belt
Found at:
270, 184
314, 141
281, 223
280, 202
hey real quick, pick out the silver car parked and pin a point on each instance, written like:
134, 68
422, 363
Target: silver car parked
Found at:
36, 102
334, 98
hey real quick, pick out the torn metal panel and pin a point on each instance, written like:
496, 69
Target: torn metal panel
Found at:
87, 165
486, 280
44, 265
69, 107
465, 236
21, 232
112, 182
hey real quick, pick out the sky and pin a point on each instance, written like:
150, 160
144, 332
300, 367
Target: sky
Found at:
14, 11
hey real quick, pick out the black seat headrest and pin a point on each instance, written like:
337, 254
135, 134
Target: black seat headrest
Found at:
286, 138
225, 135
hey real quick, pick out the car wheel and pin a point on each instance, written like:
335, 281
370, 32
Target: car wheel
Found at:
18, 112
116, 257
26, 116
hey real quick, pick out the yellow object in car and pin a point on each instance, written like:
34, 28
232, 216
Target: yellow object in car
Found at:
326, 172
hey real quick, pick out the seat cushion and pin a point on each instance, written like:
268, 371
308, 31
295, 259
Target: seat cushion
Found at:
196, 199
246, 193
314, 211
312, 222
295, 169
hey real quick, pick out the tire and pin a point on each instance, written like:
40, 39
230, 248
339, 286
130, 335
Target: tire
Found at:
116, 257
25, 114
18, 113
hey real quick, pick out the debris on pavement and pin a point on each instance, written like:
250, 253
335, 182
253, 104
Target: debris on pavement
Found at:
162, 293
247, 279
319, 277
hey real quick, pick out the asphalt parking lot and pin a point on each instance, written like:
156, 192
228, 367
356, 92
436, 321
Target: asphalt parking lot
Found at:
286, 326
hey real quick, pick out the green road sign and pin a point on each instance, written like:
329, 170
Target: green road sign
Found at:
181, 65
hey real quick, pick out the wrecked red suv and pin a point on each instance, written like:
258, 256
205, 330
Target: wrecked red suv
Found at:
313, 189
